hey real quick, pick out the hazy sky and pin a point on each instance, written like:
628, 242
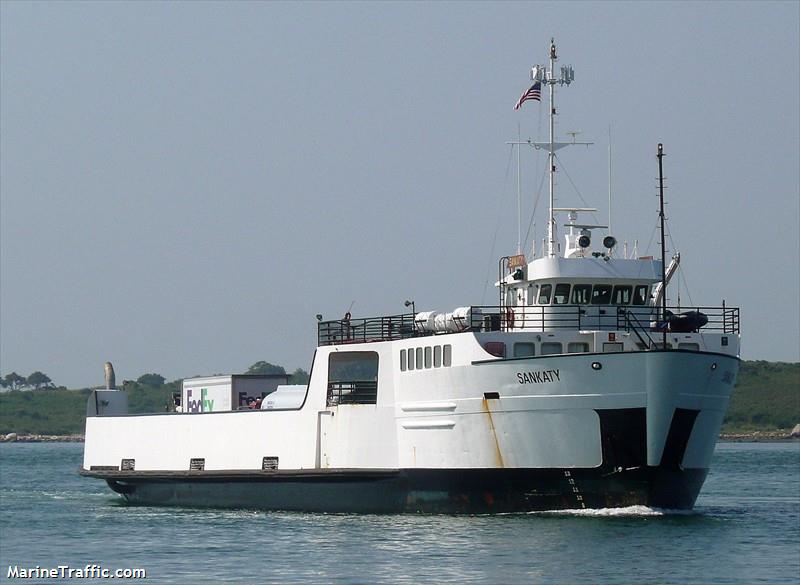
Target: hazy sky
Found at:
184, 186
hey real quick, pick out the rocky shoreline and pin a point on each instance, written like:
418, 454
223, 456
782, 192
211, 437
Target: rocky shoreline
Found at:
759, 436
15, 438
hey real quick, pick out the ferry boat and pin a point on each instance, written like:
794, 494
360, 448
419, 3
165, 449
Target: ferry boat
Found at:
581, 388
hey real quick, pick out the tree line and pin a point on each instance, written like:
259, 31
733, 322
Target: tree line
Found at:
39, 380
36, 381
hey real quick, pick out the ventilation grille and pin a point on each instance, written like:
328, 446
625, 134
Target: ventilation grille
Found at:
128, 465
197, 464
269, 463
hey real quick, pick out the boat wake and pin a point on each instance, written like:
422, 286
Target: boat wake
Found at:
629, 511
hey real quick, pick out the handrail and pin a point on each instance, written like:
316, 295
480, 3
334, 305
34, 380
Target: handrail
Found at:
649, 343
640, 319
352, 392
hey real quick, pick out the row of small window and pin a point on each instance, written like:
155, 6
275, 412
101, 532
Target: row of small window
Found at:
527, 349
420, 358
587, 294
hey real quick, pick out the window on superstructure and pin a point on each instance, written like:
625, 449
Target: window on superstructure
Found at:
613, 347
581, 294
544, 294
447, 355
561, 296
622, 294
402, 360
551, 347
524, 349
428, 357
411, 359
601, 294
420, 363
511, 296
532, 293
437, 356
352, 377
577, 347
640, 294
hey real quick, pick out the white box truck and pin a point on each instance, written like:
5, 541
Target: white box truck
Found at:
231, 392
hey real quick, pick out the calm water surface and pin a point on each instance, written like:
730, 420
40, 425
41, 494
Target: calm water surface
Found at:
745, 529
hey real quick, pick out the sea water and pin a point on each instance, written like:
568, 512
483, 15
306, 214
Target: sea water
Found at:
745, 528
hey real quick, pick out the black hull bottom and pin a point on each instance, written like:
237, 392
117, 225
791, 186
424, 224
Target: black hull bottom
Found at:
420, 490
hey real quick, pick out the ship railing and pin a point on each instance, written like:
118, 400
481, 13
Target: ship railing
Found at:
535, 318
361, 330
640, 319
719, 319
352, 392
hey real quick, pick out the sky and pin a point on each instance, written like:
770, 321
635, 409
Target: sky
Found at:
184, 186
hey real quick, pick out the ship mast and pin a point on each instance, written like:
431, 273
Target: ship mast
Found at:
547, 75
660, 156
551, 156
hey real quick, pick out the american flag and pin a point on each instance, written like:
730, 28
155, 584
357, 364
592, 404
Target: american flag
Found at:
534, 93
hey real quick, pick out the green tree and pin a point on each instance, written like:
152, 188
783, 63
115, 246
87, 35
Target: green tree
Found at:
153, 380
265, 368
299, 376
14, 381
39, 380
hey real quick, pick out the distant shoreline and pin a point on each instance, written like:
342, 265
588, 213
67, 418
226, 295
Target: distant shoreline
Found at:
758, 437
15, 438
754, 437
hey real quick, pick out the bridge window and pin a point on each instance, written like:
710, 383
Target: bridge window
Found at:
561, 297
544, 294
352, 377
447, 355
581, 294
437, 356
524, 349
622, 294
551, 347
420, 363
402, 360
411, 359
640, 294
601, 294
428, 357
